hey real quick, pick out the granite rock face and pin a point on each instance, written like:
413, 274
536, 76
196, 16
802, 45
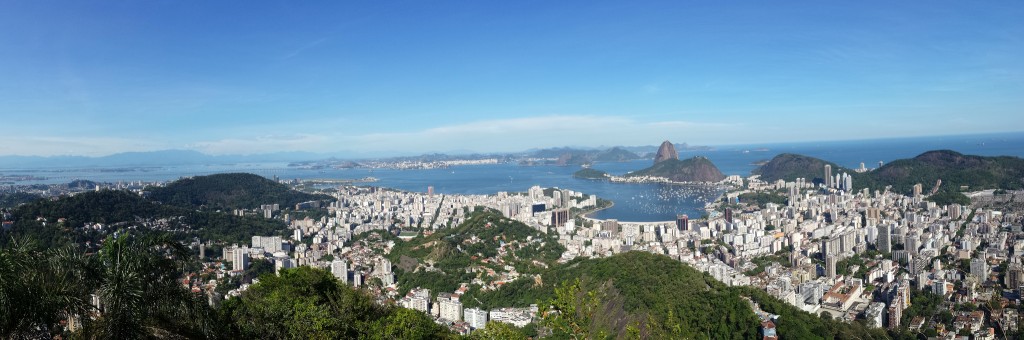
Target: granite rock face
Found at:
666, 152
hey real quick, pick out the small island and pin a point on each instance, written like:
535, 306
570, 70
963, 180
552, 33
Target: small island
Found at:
588, 173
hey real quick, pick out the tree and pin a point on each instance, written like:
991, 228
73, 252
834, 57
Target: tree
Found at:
39, 288
304, 302
571, 311
498, 331
134, 278
139, 293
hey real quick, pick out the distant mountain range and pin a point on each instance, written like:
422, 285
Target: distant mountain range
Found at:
150, 158
568, 156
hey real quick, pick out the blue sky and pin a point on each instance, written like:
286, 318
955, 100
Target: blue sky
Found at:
95, 78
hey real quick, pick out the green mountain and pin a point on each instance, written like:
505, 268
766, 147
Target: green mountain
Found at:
56, 222
229, 191
660, 298
953, 168
696, 169
789, 167
637, 285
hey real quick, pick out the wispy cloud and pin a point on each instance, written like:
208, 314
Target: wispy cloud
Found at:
495, 135
652, 88
294, 53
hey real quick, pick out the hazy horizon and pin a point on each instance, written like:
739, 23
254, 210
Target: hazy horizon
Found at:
653, 146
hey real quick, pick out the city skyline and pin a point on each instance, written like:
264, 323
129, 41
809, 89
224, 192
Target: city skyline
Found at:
94, 80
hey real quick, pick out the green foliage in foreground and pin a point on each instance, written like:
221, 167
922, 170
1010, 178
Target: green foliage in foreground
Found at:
307, 303
658, 296
136, 279
642, 295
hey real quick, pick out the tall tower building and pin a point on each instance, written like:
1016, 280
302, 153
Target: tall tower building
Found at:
830, 266
728, 215
884, 243
828, 176
895, 313
979, 269
682, 222
340, 270
240, 259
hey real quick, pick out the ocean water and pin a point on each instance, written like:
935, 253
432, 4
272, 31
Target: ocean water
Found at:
633, 202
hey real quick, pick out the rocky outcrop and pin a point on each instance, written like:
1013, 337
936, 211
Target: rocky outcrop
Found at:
666, 152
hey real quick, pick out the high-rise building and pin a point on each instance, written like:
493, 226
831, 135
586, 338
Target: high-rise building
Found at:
283, 263
430, 190
240, 259
683, 222
451, 310
917, 189
340, 270
611, 226
1014, 275
559, 217
828, 176
895, 313
728, 215
954, 211
475, 317
979, 269
884, 243
830, 266
873, 213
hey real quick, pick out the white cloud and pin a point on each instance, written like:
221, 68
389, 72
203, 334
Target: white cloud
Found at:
496, 135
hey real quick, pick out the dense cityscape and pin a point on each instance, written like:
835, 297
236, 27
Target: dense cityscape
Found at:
511, 170
884, 259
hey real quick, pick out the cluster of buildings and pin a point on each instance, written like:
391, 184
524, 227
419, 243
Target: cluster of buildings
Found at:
852, 254
447, 309
828, 249
335, 241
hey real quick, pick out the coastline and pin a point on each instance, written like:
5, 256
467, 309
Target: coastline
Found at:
586, 215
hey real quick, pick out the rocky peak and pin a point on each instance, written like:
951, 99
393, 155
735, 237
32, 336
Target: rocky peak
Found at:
666, 152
